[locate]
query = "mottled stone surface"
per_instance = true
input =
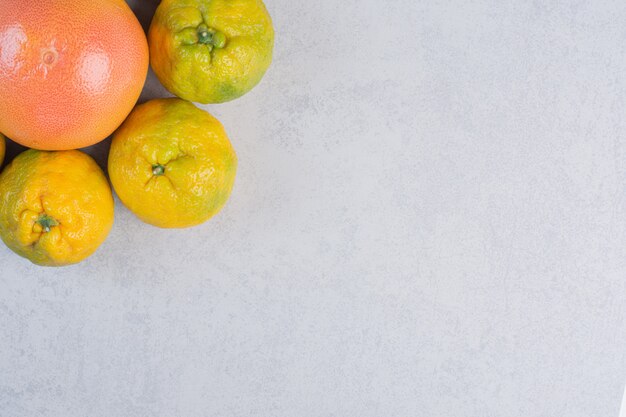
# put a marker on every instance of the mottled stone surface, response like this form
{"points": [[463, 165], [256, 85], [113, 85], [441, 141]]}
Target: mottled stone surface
{"points": [[428, 220]]}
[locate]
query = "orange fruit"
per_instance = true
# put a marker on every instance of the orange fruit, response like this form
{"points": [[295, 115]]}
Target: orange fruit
{"points": [[172, 163], [56, 208], [2, 148], [70, 71], [211, 51]]}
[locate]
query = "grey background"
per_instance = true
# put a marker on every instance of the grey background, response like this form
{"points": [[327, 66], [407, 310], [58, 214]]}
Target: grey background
{"points": [[428, 220]]}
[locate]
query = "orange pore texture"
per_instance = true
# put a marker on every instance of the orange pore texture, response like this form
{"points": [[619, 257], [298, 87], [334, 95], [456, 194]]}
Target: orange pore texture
{"points": [[70, 70]]}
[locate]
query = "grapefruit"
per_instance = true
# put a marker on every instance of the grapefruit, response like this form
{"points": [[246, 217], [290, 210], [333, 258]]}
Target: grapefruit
{"points": [[70, 71]]}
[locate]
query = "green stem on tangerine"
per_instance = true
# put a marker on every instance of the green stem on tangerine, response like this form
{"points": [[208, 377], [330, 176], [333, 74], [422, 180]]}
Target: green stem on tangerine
{"points": [[210, 36], [46, 222], [158, 169]]}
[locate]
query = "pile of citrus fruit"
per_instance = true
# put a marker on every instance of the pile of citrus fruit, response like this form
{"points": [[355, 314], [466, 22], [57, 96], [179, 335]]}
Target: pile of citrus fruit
{"points": [[70, 76]]}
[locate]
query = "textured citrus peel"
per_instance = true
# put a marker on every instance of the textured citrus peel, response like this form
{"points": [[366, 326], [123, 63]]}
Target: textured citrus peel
{"points": [[211, 51]]}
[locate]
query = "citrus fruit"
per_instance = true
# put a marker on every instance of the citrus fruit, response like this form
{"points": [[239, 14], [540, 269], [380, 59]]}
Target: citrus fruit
{"points": [[70, 72], [210, 51], [172, 164], [2, 148], [56, 208]]}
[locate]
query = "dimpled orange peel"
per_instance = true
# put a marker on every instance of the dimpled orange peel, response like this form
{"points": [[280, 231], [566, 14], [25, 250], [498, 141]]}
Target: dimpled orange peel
{"points": [[172, 164], [56, 208], [211, 51]]}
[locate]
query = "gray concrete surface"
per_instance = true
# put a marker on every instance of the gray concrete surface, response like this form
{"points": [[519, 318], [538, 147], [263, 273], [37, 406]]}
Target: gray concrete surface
{"points": [[428, 220]]}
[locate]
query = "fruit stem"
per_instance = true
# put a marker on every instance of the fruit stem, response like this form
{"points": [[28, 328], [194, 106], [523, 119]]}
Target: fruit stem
{"points": [[46, 222], [158, 170], [210, 36]]}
